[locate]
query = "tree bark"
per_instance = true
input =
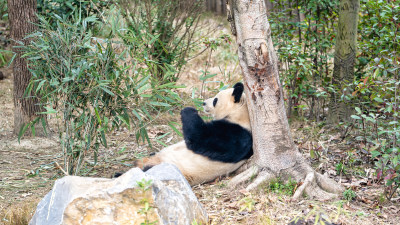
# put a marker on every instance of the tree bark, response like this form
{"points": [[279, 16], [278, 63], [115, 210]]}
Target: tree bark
{"points": [[275, 153], [345, 56], [22, 15]]}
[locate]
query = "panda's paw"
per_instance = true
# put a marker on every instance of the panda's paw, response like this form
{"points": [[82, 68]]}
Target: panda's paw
{"points": [[188, 111], [191, 121]]}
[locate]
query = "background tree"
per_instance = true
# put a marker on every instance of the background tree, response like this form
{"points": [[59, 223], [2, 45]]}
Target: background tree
{"points": [[22, 16], [345, 58], [275, 154]]}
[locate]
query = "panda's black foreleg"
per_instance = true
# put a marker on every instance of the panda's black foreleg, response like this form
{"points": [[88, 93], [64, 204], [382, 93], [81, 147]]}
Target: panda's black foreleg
{"points": [[192, 124]]}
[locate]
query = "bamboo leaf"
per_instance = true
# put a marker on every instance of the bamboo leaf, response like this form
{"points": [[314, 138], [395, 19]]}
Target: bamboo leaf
{"points": [[22, 131], [107, 91], [160, 104], [171, 124], [97, 115], [103, 138]]}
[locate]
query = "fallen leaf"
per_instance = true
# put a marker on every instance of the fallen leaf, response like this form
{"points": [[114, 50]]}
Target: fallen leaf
{"points": [[26, 194], [244, 191], [154, 133], [365, 200], [169, 140], [121, 157], [233, 205]]}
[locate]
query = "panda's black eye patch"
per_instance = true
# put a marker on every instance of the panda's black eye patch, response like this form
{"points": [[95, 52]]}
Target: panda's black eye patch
{"points": [[215, 101]]}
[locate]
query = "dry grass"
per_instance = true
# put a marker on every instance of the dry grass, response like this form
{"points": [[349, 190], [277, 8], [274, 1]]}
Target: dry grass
{"points": [[18, 214]]}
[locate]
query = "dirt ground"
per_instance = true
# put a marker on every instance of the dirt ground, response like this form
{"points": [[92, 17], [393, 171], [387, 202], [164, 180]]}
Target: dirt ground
{"points": [[24, 174], [28, 169]]}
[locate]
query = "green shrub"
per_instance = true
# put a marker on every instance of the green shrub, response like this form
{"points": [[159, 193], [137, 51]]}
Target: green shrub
{"points": [[349, 195], [305, 51], [376, 96], [90, 87], [379, 36], [3, 10], [280, 187], [304, 48], [161, 32], [340, 168], [51, 9], [5, 57]]}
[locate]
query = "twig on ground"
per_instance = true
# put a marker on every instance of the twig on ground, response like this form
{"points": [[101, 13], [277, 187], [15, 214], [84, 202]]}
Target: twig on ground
{"points": [[59, 167]]}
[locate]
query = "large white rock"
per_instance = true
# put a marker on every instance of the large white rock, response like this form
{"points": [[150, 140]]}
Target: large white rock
{"points": [[85, 200]]}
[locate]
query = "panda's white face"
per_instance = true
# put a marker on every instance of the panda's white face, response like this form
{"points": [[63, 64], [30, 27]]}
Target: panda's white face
{"points": [[229, 104], [220, 105]]}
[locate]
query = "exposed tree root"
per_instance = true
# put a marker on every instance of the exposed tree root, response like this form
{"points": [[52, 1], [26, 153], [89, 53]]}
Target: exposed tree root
{"points": [[314, 184], [316, 192], [244, 176], [263, 177], [328, 184], [300, 190], [249, 163]]}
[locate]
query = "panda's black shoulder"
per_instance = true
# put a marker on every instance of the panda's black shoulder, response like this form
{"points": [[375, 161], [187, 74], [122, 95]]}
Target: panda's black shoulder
{"points": [[221, 140], [226, 132], [223, 125]]}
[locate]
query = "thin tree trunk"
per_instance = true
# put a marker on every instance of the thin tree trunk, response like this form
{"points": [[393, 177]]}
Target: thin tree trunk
{"points": [[218, 7], [214, 6], [22, 15], [315, 68], [345, 56], [275, 153], [223, 7], [269, 5]]}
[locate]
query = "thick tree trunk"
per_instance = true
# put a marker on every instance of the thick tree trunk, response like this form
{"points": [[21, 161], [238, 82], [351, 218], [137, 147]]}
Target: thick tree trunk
{"points": [[275, 153], [345, 56], [22, 15]]}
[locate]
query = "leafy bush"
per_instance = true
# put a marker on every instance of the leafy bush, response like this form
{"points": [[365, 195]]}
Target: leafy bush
{"points": [[3, 10], [5, 57], [340, 168], [279, 186], [376, 97], [67, 9], [91, 87], [379, 36], [3, 39], [349, 195], [304, 48], [161, 32]]}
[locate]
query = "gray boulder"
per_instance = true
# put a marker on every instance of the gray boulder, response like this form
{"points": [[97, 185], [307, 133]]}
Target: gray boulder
{"points": [[160, 195]]}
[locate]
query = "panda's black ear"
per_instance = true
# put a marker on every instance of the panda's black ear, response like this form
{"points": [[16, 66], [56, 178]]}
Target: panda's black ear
{"points": [[238, 89]]}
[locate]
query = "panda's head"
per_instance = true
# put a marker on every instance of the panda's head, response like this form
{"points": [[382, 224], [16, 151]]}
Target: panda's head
{"points": [[229, 104]]}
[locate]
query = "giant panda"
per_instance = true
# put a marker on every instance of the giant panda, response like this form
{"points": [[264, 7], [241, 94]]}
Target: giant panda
{"points": [[210, 149]]}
